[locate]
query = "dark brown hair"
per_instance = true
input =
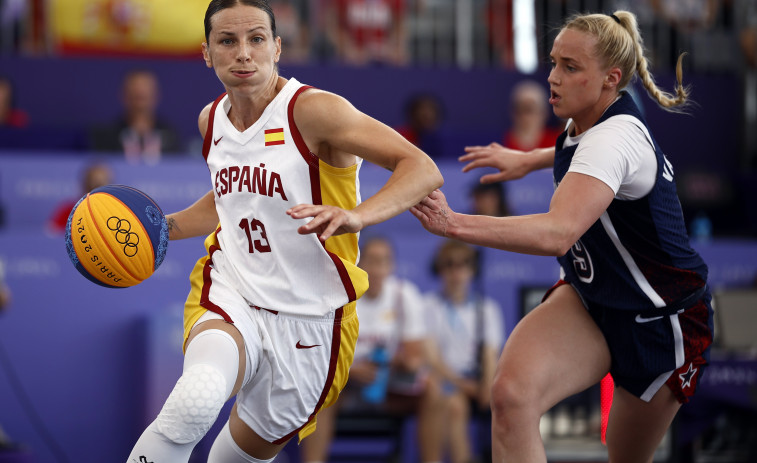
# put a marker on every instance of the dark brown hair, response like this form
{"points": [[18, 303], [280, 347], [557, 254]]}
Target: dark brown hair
{"points": [[218, 5]]}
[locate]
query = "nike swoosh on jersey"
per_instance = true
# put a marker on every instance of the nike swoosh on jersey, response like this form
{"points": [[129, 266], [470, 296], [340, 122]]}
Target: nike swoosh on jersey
{"points": [[215, 142], [640, 319], [301, 346]]}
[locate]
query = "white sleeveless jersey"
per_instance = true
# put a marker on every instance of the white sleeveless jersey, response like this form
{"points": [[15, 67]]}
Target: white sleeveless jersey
{"points": [[257, 175]]}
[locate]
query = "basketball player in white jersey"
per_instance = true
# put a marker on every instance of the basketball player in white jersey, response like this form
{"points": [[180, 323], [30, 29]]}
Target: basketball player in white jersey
{"points": [[271, 314]]}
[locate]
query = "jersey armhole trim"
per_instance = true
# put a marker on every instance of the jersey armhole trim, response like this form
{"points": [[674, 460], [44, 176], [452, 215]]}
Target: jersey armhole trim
{"points": [[305, 152], [209, 131]]}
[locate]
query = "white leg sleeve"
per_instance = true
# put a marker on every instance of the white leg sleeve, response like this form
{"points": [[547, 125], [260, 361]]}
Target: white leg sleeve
{"points": [[211, 364], [225, 450]]}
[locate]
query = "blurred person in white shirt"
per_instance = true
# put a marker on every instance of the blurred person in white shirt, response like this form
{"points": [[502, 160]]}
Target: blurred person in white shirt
{"points": [[391, 314], [467, 334]]}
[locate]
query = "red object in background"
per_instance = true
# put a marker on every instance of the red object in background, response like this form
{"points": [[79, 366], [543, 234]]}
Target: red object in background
{"points": [[17, 119], [499, 18], [547, 140], [606, 387], [59, 217], [369, 22]]}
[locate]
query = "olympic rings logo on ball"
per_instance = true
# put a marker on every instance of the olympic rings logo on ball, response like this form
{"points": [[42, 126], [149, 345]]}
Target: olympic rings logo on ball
{"points": [[124, 235]]}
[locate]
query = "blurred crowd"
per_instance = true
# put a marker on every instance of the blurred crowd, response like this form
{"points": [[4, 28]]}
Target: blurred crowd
{"points": [[719, 34]]}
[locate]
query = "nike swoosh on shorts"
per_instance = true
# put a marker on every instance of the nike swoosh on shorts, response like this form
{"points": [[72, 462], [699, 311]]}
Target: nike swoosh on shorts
{"points": [[301, 346]]}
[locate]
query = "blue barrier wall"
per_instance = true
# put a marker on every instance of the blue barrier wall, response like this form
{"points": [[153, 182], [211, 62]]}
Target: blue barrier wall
{"points": [[86, 92], [97, 363]]}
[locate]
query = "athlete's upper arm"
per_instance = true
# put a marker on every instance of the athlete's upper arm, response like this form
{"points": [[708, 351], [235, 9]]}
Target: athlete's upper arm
{"points": [[578, 202], [324, 117], [203, 119]]}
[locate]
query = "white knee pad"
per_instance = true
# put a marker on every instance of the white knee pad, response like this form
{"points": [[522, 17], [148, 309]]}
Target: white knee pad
{"points": [[211, 366], [193, 406]]}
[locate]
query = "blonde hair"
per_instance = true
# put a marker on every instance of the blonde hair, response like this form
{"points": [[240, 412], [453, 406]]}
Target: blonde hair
{"points": [[619, 44]]}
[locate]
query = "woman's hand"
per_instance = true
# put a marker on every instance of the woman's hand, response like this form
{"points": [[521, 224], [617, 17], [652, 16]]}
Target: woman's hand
{"points": [[434, 213], [327, 220], [511, 164]]}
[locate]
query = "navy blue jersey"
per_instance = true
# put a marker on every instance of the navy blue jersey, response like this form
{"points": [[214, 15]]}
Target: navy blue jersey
{"points": [[637, 255]]}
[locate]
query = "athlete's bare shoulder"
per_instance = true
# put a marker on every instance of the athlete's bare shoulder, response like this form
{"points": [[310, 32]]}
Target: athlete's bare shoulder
{"points": [[316, 102], [320, 112]]}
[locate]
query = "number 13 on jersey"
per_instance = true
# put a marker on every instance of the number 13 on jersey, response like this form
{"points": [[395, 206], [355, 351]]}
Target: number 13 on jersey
{"points": [[252, 225]]}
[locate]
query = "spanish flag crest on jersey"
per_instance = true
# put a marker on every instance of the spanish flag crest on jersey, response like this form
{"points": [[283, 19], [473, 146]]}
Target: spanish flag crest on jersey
{"points": [[128, 27], [274, 137]]}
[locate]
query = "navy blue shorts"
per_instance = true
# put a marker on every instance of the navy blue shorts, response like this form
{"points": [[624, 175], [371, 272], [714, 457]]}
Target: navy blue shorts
{"points": [[654, 347]]}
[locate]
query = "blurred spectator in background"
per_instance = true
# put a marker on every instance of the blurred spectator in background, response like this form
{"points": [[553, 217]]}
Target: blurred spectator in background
{"points": [[12, 14], [423, 116], [498, 15], [391, 326], [746, 15], [529, 114], [139, 133], [293, 28], [529, 129], [746, 25], [369, 31], [93, 176], [433, 40], [687, 15], [687, 20], [322, 39], [5, 298], [10, 115], [5, 293], [467, 334], [490, 199]]}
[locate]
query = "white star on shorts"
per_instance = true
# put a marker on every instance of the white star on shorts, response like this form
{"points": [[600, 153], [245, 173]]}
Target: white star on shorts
{"points": [[687, 376]]}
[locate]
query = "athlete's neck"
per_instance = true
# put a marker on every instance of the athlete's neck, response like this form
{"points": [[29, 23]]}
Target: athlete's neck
{"points": [[248, 106], [586, 121]]}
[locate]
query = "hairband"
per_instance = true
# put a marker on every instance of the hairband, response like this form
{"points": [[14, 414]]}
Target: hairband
{"points": [[617, 20]]}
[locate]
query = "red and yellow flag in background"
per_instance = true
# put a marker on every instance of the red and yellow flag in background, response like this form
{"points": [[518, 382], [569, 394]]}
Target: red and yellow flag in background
{"points": [[128, 27]]}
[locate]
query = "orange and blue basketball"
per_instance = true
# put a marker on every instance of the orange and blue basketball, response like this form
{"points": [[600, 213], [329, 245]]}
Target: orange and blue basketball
{"points": [[116, 236]]}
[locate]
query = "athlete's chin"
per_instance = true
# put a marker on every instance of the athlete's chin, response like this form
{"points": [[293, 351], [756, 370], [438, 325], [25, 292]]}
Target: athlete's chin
{"points": [[560, 111]]}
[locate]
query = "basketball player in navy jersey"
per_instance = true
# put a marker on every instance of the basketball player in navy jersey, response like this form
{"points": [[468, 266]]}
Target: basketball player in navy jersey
{"points": [[632, 299], [270, 317]]}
